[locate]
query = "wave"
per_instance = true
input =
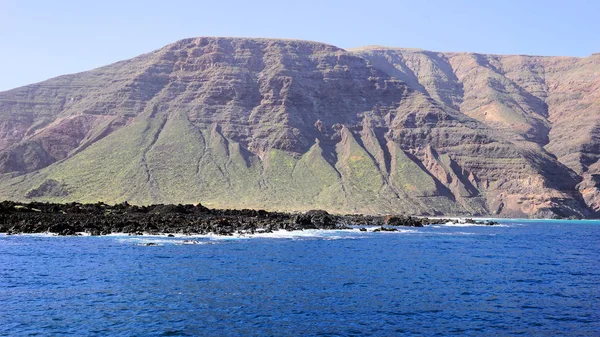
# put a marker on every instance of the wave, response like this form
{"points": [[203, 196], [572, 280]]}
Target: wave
{"points": [[458, 224], [307, 234], [456, 233], [182, 239], [294, 235]]}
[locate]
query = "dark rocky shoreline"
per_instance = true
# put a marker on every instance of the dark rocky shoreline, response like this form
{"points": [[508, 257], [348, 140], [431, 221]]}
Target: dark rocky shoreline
{"points": [[103, 219]]}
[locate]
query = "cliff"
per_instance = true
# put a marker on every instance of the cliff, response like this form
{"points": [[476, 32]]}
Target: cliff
{"points": [[297, 125]]}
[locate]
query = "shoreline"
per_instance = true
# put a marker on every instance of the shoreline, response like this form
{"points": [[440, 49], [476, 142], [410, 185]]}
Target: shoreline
{"points": [[103, 219]]}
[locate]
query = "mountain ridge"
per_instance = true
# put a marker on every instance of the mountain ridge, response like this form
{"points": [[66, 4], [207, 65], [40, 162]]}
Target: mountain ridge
{"points": [[417, 49], [294, 125]]}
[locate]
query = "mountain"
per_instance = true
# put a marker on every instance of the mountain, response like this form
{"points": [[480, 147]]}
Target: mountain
{"points": [[297, 125]]}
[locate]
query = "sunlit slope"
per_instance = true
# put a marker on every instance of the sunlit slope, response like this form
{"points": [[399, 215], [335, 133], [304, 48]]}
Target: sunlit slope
{"points": [[297, 125]]}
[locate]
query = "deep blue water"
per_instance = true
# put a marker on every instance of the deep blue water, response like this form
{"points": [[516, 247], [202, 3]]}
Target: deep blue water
{"points": [[526, 278]]}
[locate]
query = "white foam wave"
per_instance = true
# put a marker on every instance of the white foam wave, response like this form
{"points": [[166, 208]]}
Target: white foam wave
{"points": [[455, 233], [144, 241], [43, 235], [176, 239], [458, 224], [300, 234]]}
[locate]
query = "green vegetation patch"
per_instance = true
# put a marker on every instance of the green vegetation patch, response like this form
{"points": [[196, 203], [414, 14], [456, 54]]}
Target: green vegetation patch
{"points": [[409, 176]]}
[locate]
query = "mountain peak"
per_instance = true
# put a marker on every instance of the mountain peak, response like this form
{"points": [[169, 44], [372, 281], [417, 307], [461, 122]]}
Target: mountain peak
{"points": [[296, 125], [215, 40], [379, 47]]}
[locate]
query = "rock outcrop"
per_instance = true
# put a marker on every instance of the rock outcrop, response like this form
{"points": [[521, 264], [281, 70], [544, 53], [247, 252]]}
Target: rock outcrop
{"points": [[102, 219], [297, 125]]}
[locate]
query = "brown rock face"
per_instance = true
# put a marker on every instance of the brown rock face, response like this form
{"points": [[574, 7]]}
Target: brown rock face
{"points": [[548, 107], [298, 125]]}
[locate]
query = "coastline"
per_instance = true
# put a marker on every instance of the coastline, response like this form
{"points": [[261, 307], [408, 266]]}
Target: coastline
{"points": [[101, 219]]}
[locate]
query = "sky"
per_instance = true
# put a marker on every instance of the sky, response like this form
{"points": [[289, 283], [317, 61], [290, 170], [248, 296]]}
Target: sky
{"points": [[43, 39]]}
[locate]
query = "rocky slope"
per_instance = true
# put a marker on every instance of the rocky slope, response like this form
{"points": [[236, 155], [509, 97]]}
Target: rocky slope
{"points": [[297, 125]]}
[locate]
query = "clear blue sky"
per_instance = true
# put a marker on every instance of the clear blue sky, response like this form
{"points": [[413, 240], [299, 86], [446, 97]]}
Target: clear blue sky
{"points": [[43, 39]]}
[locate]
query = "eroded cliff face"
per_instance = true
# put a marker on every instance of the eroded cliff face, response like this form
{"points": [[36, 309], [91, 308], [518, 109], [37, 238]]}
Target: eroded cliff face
{"points": [[295, 125], [547, 107]]}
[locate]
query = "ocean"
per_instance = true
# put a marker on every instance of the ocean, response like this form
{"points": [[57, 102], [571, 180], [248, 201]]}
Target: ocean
{"points": [[524, 277]]}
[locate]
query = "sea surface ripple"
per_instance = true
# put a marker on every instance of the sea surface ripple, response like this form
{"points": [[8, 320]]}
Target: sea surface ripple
{"points": [[523, 278]]}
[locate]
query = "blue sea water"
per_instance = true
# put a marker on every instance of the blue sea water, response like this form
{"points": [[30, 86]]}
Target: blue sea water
{"points": [[522, 278]]}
